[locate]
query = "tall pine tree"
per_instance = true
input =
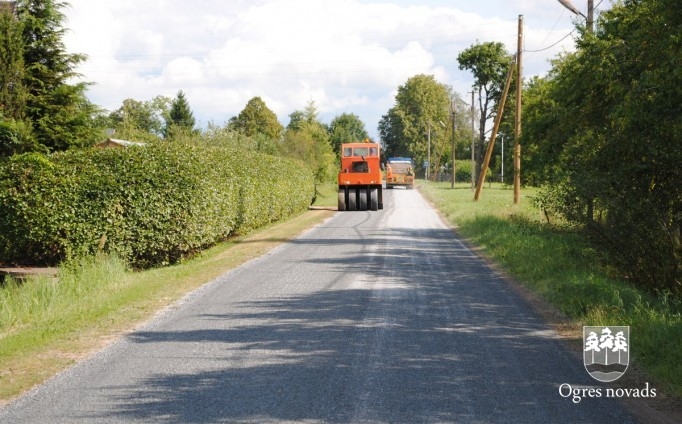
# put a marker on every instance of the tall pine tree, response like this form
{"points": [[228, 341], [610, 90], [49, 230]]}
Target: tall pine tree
{"points": [[12, 90], [61, 115], [180, 118]]}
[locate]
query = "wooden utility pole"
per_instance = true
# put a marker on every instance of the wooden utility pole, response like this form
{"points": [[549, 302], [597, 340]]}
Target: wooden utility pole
{"points": [[452, 116], [590, 16], [496, 127], [473, 140], [517, 120], [428, 153]]}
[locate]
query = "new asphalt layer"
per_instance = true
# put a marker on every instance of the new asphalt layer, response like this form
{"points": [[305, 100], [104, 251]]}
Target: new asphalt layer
{"points": [[371, 317]]}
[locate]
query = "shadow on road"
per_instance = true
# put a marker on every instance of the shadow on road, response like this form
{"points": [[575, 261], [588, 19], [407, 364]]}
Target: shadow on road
{"points": [[426, 333]]}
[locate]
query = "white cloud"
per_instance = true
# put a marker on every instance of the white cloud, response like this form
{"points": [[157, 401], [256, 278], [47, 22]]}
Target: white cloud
{"points": [[346, 55]]}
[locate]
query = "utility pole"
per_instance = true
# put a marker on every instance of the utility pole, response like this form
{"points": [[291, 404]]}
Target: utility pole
{"points": [[496, 127], [452, 116], [517, 120], [473, 141], [589, 19], [428, 153]]}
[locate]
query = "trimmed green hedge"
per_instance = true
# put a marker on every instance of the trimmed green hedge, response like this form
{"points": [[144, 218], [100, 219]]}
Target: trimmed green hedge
{"points": [[151, 205]]}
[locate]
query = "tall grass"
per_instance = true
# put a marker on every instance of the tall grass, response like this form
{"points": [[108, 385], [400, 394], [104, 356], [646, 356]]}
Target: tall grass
{"points": [[39, 300], [560, 265], [45, 325]]}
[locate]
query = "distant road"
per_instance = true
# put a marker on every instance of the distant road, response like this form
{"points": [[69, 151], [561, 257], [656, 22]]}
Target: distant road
{"points": [[371, 317]]}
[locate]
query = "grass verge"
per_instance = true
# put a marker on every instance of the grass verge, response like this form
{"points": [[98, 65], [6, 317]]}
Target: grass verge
{"points": [[46, 326], [564, 269], [326, 195]]}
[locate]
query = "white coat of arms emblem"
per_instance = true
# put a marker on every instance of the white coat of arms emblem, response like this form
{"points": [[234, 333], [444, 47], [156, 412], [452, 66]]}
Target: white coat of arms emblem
{"points": [[606, 351]]}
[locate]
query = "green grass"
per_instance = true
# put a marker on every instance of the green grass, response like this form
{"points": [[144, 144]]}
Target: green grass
{"points": [[46, 325], [563, 268], [326, 195]]}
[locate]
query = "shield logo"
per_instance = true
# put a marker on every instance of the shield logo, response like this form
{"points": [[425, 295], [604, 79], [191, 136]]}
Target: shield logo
{"points": [[606, 351]]}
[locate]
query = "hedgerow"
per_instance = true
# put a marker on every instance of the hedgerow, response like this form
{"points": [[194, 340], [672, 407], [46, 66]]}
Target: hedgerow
{"points": [[151, 205]]}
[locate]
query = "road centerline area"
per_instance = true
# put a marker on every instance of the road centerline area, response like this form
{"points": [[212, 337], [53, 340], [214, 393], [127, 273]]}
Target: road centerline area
{"points": [[370, 317]]}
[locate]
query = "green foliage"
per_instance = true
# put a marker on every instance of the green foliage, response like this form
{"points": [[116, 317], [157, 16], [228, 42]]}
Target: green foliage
{"points": [[462, 171], [59, 112], [563, 267], [150, 205], [180, 118], [141, 120], [256, 118], [346, 128], [422, 104], [489, 63], [16, 136], [13, 93], [306, 139], [611, 129]]}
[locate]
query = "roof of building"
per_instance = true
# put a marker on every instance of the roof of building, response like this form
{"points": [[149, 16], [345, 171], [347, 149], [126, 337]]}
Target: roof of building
{"points": [[114, 142]]}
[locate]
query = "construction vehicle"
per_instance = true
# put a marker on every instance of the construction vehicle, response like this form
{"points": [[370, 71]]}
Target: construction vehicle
{"points": [[400, 173], [360, 178]]}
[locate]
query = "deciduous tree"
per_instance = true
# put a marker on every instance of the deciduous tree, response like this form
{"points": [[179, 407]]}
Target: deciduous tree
{"points": [[307, 139], [422, 104], [346, 128], [489, 63], [256, 118], [611, 113], [141, 120]]}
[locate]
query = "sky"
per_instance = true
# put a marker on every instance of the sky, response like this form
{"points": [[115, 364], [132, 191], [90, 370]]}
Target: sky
{"points": [[347, 56]]}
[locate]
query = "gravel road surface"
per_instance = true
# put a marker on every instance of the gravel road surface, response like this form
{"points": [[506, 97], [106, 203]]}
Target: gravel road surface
{"points": [[371, 317]]}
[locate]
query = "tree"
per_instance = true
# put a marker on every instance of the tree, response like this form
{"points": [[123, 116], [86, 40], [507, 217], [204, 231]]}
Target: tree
{"points": [[612, 118], [307, 139], [489, 62], [620, 344], [13, 92], [422, 104], [346, 128], [16, 133], [256, 118], [180, 118], [606, 342], [390, 131], [137, 120], [592, 344], [60, 114], [544, 132]]}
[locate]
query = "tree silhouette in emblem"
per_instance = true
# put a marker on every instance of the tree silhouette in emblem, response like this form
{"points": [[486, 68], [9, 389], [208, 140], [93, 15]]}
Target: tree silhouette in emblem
{"points": [[620, 344], [592, 344], [606, 342]]}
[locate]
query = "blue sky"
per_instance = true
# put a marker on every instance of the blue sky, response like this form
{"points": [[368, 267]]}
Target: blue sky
{"points": [[345, 55]]}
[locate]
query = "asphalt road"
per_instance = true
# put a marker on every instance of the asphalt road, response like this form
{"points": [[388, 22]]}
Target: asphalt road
{"points": [[381, 317]]}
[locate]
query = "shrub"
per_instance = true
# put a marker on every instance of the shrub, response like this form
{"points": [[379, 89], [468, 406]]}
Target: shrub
{"points": [[151, 205]]}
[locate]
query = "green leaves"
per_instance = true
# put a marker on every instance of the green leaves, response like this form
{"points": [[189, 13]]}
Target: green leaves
{"points": [[422, 104], [151, 205], [603, 132], [256, 118]]}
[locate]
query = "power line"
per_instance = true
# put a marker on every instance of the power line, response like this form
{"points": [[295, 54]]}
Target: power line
{"points": [[549, 47]]}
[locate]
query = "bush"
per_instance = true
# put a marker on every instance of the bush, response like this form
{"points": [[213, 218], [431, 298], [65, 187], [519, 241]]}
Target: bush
{"points": [[151, 205], [462, 170]]}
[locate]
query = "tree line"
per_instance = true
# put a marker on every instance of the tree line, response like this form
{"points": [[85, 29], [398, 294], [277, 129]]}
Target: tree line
{"points": [[601, 131], [603, 137], [42, 110], [601, 134]]}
